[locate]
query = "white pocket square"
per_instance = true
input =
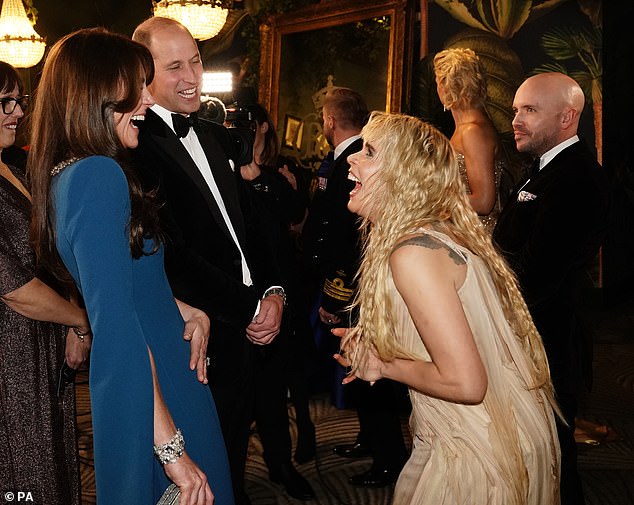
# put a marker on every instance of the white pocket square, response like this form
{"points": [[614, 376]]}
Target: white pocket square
{"points": [[525, 196]]}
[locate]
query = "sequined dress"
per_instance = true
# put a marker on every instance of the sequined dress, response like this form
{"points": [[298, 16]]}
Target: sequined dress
{"points": [[490, 219], [503, 451], [37, 429]]}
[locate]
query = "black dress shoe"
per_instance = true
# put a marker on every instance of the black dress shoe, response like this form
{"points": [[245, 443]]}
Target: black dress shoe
{"points": [[355, 450], [295, 485], [374, 478]]}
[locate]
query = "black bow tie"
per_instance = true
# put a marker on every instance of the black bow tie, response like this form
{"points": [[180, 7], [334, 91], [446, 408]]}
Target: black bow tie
{"points": [[182, 124]]}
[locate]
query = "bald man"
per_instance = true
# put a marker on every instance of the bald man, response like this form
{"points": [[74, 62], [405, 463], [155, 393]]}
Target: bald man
{"points": [[550, 232]]}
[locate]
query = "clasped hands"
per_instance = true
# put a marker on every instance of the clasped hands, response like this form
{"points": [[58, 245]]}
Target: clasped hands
{"points": [[266, 324], [369, 367]]}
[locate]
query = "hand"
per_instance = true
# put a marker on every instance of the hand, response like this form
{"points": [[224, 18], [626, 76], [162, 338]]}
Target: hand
{"points": [[197, 328], [76, 352], [191, 481], [266, 325], [290, 177], [369, 368], [328, 318]]}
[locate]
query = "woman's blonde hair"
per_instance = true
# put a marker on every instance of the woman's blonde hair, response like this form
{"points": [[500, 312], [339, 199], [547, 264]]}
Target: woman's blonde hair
{"points": [[460, 72], [417, 185]]}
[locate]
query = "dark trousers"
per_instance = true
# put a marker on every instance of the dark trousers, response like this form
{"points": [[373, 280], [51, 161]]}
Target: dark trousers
{"points": [[571, 488], [271, 408], [327, 374], [232, 384], [281, 368], [379, 409]]}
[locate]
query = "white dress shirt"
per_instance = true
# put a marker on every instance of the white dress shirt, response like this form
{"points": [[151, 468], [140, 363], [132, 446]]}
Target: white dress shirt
{"points": [[549, 155], [344, 145]]}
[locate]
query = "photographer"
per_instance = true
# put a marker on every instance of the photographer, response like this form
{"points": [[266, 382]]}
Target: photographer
{"points": [[284, 363]]}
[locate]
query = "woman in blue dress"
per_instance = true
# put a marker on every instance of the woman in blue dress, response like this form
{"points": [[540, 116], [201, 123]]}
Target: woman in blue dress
{"points": [[154, 421]]}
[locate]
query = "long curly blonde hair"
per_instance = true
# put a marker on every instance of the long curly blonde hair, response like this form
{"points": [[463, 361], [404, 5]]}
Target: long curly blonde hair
{"points": [[417, 185]]}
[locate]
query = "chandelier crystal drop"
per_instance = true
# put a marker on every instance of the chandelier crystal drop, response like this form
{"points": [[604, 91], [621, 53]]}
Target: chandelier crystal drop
{"points": [[203, 18], [20, 45]]}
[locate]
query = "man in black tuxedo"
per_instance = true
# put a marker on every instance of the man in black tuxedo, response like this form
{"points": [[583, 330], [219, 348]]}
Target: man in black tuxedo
{"points": [[332, 252], [217, 255], [550, 231]]}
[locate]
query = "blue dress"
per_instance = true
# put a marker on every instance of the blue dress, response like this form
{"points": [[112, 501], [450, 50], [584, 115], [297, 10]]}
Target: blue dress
{"points": [[131, 308]]}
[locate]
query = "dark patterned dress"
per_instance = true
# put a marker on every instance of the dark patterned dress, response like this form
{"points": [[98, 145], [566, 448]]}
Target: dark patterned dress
{"points": [[38, 453]]}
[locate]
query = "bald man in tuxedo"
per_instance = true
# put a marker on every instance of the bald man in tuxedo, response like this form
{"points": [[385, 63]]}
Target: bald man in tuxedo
{"points": [[550, 232]]}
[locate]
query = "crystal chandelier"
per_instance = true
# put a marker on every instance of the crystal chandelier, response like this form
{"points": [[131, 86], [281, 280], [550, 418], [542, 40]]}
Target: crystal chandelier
{"points": [[20, 45], [203, 18]]}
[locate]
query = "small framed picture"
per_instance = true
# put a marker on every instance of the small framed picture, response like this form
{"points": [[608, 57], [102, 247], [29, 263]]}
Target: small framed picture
{"points": [[293, 132]]}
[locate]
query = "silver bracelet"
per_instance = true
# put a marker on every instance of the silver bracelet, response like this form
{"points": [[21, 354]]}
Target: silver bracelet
{"points": [[170, 451]]}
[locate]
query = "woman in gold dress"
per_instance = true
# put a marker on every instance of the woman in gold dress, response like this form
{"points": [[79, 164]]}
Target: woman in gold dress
{"points": [[462, 88]]}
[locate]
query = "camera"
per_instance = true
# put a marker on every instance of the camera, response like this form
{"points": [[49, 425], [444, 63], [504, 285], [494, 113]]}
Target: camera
{"points": [[239, 125]]}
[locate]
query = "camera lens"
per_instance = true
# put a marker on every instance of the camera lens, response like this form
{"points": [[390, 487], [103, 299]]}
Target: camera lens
{"points": [[243, 144]]}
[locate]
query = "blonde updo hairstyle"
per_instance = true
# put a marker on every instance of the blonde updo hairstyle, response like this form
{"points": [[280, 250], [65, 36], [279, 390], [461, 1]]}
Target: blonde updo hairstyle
{"points": [[460, 72]]}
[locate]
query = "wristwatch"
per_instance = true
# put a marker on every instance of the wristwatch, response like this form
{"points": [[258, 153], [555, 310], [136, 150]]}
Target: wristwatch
{"points": [[276, 290]]}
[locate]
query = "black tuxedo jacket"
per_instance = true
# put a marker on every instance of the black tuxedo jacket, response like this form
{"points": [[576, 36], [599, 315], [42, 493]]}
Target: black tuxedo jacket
{"points": [[550, 231], [202, 261], [330, 235]]}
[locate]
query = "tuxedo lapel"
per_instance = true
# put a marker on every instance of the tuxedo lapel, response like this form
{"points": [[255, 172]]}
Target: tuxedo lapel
{"points": [[225, 180], [173, 149]]}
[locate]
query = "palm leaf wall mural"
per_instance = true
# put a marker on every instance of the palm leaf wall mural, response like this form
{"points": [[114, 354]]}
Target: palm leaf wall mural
{"points": [[583, 47]]}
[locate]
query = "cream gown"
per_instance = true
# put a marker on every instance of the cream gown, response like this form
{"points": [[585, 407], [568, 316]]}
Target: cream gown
{"points": [[503, 451]]}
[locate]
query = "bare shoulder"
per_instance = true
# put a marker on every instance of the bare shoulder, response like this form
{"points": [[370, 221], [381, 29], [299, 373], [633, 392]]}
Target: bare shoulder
{"points": [[479, 134]]}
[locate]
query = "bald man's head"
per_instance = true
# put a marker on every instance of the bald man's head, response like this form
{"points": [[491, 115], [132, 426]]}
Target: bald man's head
{"points": [[547, 108]]}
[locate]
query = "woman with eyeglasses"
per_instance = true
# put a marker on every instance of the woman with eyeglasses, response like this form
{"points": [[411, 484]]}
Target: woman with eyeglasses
{"points": [[39, 330]]}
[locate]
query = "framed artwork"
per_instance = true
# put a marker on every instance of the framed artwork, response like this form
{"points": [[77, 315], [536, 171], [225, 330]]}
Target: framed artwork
{"points": [[365, 45], [293, 131]]}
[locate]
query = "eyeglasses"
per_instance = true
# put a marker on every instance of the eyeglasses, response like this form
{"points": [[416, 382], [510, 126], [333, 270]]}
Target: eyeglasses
{"points": [[9, 103]]}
